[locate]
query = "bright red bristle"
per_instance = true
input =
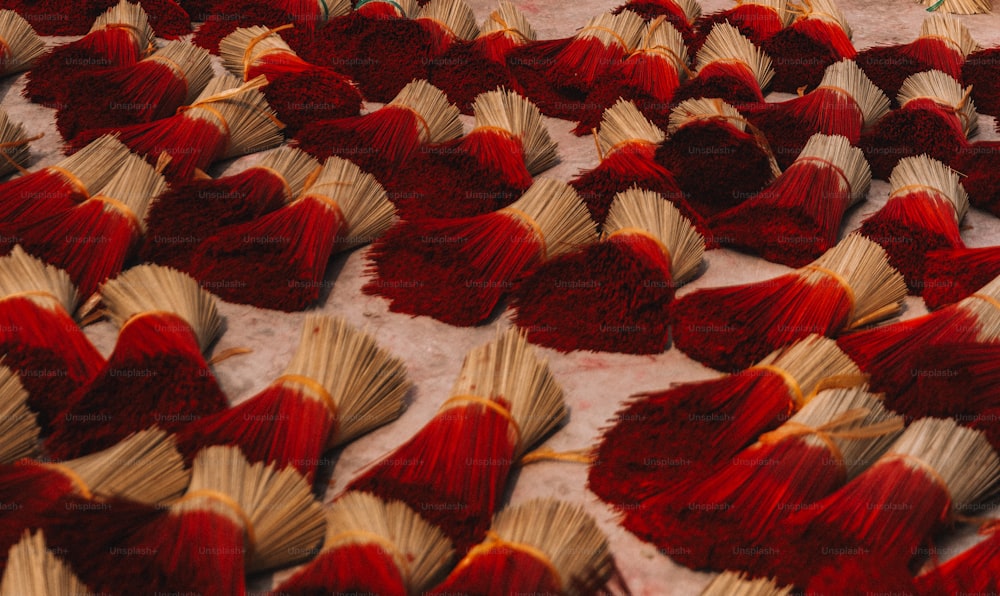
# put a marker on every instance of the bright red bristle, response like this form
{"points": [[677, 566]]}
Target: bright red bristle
{"points": [[740, 164], [156, 375], [613, 296], [192, 143], [49, 352], [797, 218], [789, 124], [33, 197], [953, 274], [337, 571], [888, 353], [58, 17], [627, 166], [229, 15], [453, 471], [733, 83], [91, 241], [277, 426], [889, 66], [303, 95], [651, 9], [529, 64], [388, 56], [802, 51], [933, 469], [276, 261], [891, 509], [975, 571], [978, 163], [952, 379], [922, 127], [431, 267], [660, 440], [186, 214], [379, 142], [709, 327], [908, 227], [979, 70], [501, 570], [106, 48], [756, 22], [480, 173], [469, 67], [33, 489]]}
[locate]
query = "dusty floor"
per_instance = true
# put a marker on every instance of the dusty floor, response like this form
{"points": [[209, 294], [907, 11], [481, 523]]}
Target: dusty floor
{"points": [[595, 384]]}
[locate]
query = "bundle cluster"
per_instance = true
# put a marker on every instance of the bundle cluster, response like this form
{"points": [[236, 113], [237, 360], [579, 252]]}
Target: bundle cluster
{"points": [[841, 438]]}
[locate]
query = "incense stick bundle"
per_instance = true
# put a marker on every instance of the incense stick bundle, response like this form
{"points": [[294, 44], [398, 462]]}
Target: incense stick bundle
{"points": [[20, 46], [889, 353], [648, 77], [120, 36], [797, 218], [458, 270], [384, 140], [43, 345], [925, 207], [279, 260], [615, 295], [934, 469], [542, 546], [729, 328], [298, 91], [19, 430], [229, 15], [53, 189], [942, 45], [959, 6], [977, 164], [953, 274], [226, 120], [954, 379], [338, 386], [93, 240], [742, 162], [236, 518], [935, 118], [483, 171], [979, 72], [730, 67], [14, 142], [57, 17], [338, 43], [399, 552], [468, 68], [663, 440], [148, 90], [728, 583], [156, 373], [757, 20], [682, 14], [33, 569], [454, 470], [144, 467], [845, 103], [558, 74], [975, 570], [395, 52], [715, 522], [627, 144], [818, 37], [181, 218]]}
